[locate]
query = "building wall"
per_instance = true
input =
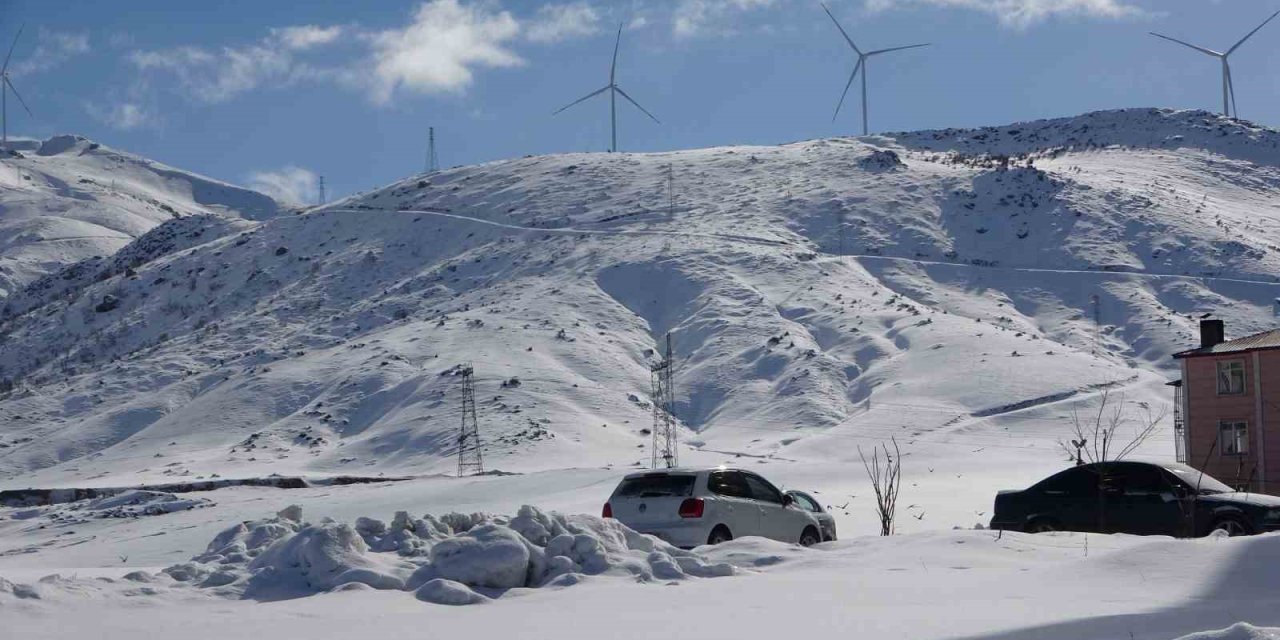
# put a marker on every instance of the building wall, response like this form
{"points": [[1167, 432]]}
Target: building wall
{"points": [[1259, 406]]}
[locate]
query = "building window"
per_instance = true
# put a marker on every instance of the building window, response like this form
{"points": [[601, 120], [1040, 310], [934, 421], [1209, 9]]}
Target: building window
{"points": [[1233, 438], [1231, 377]]}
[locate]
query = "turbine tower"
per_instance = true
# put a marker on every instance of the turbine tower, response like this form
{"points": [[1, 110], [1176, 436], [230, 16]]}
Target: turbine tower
{"points": [[861, 66], [614, 91], [1228, 87], [6, 85]]}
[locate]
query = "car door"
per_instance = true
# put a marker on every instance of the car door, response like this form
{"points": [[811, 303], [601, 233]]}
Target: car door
{"points": [[734, 506], [1140, 501], [776, 520], [1069, 498]]}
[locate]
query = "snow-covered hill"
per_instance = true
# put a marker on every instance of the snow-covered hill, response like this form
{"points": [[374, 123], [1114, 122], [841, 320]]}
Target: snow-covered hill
{"points": [[67, 199], [937, 287]]}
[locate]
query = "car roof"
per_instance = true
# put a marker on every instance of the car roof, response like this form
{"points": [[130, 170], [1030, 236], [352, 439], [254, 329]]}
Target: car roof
{"points": [[680, 471]]}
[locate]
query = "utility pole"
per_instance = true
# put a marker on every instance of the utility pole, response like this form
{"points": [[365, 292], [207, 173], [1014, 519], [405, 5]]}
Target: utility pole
{"points": [[840, 231], [469, 460], [664, 421], [321, 189], [433, 163], [671, 192], [1097, 324]]}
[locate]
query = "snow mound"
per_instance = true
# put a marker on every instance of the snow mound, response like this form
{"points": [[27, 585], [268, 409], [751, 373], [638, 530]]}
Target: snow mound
{"points": [[1237, 631], [455, 559], [132, 504], [127, 504], [441, 591]]}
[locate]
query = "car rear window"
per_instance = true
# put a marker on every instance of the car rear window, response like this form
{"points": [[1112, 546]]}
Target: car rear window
{"points": [[656, 486]]}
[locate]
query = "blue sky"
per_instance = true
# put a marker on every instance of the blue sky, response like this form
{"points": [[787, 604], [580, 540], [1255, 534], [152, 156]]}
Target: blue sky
{"points": [[273, 94]]}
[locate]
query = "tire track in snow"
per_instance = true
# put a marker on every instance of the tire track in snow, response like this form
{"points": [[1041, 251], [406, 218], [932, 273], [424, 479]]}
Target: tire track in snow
{"points": [[744, 239]]}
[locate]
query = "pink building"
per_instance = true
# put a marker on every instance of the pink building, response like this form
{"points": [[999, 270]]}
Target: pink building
{"points": [[1227, 413]]}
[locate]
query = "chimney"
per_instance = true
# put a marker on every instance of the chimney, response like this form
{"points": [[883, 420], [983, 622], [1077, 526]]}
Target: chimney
{"points": [[1212, 333]]}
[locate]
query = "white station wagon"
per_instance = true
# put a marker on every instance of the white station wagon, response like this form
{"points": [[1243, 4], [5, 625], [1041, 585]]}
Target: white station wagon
{"points": [[692, 507]]}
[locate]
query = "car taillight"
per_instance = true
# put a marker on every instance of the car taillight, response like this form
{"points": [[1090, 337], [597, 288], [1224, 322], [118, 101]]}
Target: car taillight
{"points": [[608, 511], [692, 508]]}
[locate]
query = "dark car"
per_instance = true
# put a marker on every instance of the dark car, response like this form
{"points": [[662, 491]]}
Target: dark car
{"points": [[1135, 497]]}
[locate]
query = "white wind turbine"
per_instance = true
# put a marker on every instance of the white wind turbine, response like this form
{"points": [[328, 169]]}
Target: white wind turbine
{"points": [[614, 90], [1228, 87], [6, 85], [861, 66]]}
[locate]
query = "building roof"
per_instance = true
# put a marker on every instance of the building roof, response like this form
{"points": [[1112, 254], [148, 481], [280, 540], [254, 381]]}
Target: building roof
{"points": [[1255, 342]]}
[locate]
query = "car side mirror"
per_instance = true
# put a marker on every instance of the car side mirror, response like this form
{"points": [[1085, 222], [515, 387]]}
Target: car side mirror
{"points": [[1169, 496], [788, 500]]}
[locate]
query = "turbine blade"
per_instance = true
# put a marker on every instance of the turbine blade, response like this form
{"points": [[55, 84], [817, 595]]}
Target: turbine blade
{"points": [[910, 46], [1242, 40], [11, 48], [18, 96], [856, 68], [583, 98], [842, 31], [613, 68], [1188, 44], [637, 104]]}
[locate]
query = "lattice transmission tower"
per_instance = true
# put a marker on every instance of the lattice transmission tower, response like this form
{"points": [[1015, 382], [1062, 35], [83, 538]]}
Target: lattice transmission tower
{"points": [[433, 162], [664, 419], [469, 460]]}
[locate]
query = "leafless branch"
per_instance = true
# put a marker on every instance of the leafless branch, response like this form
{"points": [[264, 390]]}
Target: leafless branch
{"points": [[1112, 432], [886, 481]]}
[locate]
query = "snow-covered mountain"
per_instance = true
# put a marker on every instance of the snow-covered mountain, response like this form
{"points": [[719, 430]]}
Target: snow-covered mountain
{"points": [[66, 199], [938, 287]]}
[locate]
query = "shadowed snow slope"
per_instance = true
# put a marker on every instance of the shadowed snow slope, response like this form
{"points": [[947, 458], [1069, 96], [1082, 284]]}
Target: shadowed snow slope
{"points": [[67, 199], [821, 294]]}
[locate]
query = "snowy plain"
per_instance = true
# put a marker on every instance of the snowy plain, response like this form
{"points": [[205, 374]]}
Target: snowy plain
{"points": [[934, 287]]}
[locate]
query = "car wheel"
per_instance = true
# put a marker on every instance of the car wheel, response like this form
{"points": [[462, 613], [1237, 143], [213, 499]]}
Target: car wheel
{"points": [[1043, 525], [810, 537], [1232, 526], [719, 534]]}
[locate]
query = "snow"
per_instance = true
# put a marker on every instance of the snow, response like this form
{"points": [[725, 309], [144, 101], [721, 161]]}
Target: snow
{"points": [[67, 199], [1238, 631], [823, 296]]}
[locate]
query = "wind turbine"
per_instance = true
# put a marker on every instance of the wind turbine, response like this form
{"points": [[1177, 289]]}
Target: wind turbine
{"points": [[861, 66], [6, 85], [1228, 87], [614, 91]]}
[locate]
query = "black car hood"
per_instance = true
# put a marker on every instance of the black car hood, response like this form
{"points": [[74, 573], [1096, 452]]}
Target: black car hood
{"points": [[1240, 497]]}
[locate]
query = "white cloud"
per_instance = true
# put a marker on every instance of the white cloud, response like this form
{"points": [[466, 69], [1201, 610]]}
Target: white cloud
{"points": [[52, 49], [290, 184], [305, 37], [698, 17], [557, 22], [123, 115], [437, 51], [217, 76], [1024, 13]]}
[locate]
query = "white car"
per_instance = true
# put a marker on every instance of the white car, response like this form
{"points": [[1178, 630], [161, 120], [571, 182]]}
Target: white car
{"points": [[692, 507], [826, 521]]}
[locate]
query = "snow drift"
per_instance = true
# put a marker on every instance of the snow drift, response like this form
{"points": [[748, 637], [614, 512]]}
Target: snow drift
{"points": [[454, 559]]}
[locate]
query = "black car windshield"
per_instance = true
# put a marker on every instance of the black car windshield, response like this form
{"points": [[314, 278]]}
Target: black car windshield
{"points": [[1195, 479], [657, 486]]}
